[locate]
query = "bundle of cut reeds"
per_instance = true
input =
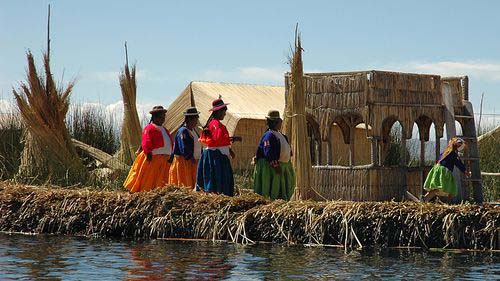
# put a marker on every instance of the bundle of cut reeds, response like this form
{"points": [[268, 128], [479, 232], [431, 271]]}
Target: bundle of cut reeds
{"points": [[48, 153], [131, 127], [296, 125]]}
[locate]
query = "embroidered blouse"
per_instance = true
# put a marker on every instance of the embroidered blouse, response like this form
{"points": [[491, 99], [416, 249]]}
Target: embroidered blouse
{"points": [[186, 144], [274, 147], [156, 139], [218, 136]]}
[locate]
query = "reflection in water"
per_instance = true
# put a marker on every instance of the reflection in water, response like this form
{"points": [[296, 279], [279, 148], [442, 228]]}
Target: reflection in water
{"points": [[158, 258], [73, 258]]}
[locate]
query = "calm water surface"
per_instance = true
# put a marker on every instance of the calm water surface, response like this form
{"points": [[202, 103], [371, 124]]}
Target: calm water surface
{"points": [[44, 257]]}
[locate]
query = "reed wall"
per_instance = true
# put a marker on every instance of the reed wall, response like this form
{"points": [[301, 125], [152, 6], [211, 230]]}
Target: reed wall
{"points": [[359, 183]]}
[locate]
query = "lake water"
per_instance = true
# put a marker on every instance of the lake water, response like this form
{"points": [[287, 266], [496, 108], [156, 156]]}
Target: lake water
{"points": [[45, 257]]}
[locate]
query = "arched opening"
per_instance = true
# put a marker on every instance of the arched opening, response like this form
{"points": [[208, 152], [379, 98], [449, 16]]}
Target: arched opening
{"points": [[315, 145], [348, 143], [415, 147], [458, 131], [394, 151], [339, 146], [424, 129]]}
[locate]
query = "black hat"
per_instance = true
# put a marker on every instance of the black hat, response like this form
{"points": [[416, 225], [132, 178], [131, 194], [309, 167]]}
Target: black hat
{"points": [[192, 111], [273, 115], [158, 109]]}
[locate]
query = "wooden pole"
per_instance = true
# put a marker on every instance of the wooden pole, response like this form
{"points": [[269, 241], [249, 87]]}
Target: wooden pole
{"points": [[490, 174], [480, 116]]}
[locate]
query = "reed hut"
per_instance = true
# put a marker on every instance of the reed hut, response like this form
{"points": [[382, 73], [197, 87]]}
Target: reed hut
{"points": [[246, 117], [375, 100]]}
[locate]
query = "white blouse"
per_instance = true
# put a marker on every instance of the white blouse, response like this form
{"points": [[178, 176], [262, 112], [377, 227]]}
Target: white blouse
{"points": [[167, 145]]}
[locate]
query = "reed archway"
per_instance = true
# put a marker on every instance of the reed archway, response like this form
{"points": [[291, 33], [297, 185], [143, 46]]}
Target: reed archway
{"points": [[313, 133], [393, 152]]}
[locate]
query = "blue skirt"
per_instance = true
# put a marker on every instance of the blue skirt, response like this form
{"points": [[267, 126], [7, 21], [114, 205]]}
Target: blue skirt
{"points": [[215, 173]]}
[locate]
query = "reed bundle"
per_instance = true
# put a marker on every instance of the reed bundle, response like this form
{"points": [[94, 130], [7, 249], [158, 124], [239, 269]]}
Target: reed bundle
{"points": [[173, 212], [131, 126], [296, 125], [48, 152]]}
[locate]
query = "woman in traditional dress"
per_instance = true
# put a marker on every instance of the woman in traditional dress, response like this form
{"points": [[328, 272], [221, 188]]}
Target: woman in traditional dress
{"points": [[274, 176], [215, 174], [151, 167], [187, 151], [440, 181]]}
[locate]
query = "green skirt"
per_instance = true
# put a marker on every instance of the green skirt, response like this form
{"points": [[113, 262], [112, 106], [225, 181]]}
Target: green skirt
{"points": [[442, 179], [268, 183]]}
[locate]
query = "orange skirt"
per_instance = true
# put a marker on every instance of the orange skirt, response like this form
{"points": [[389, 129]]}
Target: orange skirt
{"points": [[183, 172], [147, 175]]}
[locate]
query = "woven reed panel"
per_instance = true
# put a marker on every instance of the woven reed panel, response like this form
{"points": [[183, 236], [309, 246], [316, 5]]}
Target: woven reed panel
{"points": [[335, 91], [360, 184], [405, 88], [415, 179], [335, 83], [459, 92], [345, 184], [251, 130]]}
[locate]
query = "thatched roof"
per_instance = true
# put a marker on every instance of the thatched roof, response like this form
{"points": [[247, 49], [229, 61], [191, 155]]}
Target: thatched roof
{"points": [[495, 133], [246, 102]]}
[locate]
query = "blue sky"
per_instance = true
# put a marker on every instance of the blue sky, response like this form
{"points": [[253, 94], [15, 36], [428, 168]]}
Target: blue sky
{"points": [[175, 42]]}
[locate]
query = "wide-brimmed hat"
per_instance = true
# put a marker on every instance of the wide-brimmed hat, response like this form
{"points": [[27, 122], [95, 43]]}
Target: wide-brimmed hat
{"points": [[157, 109], [218, 104], [192, 111], [273, 115]]}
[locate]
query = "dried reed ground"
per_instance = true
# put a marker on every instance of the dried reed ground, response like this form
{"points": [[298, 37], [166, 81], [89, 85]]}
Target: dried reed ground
{"points": [[177, 213]]}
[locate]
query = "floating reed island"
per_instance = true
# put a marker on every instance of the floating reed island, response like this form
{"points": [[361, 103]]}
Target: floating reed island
{"points": [[172, 212]]}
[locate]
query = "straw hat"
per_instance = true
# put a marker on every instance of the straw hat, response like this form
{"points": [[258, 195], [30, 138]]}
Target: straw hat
{"points": [[273, 115], [218, 104], [192, 111], [158, 109]]}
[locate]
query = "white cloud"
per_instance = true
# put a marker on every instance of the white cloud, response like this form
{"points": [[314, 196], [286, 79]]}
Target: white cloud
{"points": [[214, 75], [262, 74], [105, 76], [250, 74], [478, 69]]}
